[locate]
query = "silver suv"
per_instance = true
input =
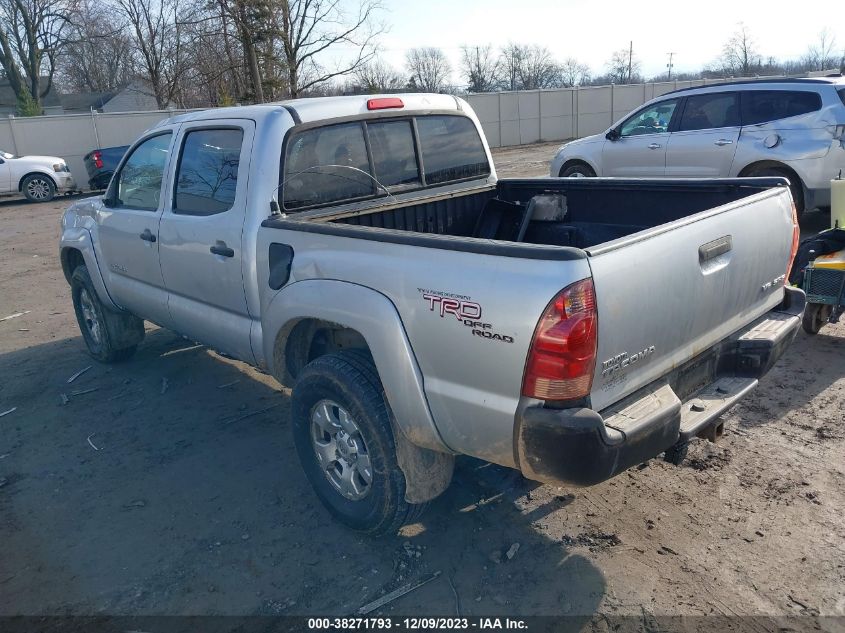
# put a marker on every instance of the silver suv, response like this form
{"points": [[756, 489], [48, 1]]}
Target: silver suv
{"points": [[786, 127]]}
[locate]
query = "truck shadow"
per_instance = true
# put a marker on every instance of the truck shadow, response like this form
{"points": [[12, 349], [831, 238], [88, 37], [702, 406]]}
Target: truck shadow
{"points": [[169, 485]]}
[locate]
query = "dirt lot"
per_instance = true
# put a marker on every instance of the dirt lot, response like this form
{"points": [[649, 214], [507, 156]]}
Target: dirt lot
{"points": [[158, 493]]}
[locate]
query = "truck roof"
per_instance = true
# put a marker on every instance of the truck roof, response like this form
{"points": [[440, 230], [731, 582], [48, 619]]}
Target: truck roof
{"points": [[321, 108]]}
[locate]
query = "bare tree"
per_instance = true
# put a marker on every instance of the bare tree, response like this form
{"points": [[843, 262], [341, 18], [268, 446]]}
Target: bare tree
{"points": [[311, 28], [527, 67], [32, 35], [157, 37], [98, 54], [823, 55], [740, 56], [253, 23], [574, 73], [624, 67], [429, 69], [480, 68], [377, 76]]}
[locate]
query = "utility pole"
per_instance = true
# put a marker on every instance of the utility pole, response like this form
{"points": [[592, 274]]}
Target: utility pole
{"points": [[669, 66], [630, 60]]}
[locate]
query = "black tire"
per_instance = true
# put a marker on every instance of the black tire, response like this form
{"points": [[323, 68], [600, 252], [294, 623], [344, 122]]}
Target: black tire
{"points": [[676, 454], [110, 336], [795, 187], [815, 316], [577, 170], [38, 188], [349, 379]]}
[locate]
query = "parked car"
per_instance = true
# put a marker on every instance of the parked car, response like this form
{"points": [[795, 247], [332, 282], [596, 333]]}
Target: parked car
{"points": [[100, 165], [420, 309], [793, 128], [39, 178]]}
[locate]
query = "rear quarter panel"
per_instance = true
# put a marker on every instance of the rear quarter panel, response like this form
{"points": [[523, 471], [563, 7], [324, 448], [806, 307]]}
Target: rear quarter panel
{"points": [[472, 383]]}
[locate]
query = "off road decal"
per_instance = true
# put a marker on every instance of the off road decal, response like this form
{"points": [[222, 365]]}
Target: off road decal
{"points": [[465, 311]]}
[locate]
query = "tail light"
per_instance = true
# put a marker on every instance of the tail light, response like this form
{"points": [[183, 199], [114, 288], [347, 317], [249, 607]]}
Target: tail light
{"points": [[98, 160], [562, 357], [796, 238]]}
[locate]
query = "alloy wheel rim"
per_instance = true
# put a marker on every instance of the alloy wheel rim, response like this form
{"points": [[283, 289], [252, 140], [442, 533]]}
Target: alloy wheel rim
{"points": [[38, 188], [89, 314], [340, 450]]}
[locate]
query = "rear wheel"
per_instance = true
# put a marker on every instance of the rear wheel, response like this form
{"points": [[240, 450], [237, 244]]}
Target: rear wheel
{"points": [[343, 436], [815, 316], [109, 336], [795, 187], [38, 188], [577, 170]]}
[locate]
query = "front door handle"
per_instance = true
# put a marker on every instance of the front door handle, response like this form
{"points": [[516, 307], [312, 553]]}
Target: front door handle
{"points": [[723, 141], [147, 236], [655, 146], [220, 248]]}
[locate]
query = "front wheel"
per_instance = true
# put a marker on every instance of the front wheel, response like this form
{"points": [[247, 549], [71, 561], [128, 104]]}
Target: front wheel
{"points": [[815, 316], [578, 170], [38, 188], [343, 436], [109, 336]]}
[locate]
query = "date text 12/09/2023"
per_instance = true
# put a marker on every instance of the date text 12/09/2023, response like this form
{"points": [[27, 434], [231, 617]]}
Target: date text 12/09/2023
{"points": [[417, 624]]}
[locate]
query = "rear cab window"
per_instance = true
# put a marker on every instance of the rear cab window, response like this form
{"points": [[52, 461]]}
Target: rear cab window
{"points": [[762, 106], [841, 92], [346, 162]]}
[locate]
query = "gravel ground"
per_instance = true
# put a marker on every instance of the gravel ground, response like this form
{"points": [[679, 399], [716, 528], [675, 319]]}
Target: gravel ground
{"points": [[154, 491]]}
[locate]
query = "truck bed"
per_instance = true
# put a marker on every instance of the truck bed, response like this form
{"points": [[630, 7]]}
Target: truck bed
{"points": [[594, 211]]}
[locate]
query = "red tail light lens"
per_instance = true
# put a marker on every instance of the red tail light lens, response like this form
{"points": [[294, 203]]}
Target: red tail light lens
{"points": [[562, 357], [796, 239], [98, 160], [384, 104]]}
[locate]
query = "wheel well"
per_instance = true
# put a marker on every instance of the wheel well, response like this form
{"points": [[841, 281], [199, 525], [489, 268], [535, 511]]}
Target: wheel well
{"points": [[34, 173], [575, 161], [305, 340], [71, 258], [771, 164]]}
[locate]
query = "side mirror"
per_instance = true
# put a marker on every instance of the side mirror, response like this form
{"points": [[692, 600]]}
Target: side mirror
{"points": [[612, 135]]}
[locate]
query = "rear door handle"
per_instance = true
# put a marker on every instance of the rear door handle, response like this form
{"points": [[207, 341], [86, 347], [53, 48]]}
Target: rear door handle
{"points": [[220, 248], [147, 236], [655, 146], [723, 141]]}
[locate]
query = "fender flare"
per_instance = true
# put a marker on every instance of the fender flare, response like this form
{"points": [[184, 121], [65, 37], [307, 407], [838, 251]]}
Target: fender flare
{"points": [[374, 316], [80, 239]]}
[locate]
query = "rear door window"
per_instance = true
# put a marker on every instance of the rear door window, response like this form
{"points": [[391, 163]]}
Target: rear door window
{"points": [[761, 106], [709, 111], [207, 177], [451, 149]]}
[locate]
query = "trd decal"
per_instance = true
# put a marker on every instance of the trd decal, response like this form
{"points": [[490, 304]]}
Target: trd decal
{"points": [[465, 311], [461, 309]]}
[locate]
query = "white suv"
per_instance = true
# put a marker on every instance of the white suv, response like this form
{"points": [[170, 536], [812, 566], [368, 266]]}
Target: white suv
{"points": [[786, 127]]}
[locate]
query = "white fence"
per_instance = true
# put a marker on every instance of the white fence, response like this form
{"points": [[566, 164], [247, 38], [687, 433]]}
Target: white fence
{"points": [[508, 118]]}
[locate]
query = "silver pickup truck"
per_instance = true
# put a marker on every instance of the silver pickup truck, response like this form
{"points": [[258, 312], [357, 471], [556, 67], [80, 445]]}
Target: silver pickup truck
{"points": [[363, 251]]}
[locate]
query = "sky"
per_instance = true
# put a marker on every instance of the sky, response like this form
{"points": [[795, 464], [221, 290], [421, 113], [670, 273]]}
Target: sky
{"points": [[591, 30]]}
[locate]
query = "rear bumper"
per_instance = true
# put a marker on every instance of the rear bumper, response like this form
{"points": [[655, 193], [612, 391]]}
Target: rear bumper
{"points": [[582, 447]]}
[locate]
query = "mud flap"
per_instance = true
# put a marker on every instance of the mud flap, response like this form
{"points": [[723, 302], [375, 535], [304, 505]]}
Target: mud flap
{"points": [[427, 473]]}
